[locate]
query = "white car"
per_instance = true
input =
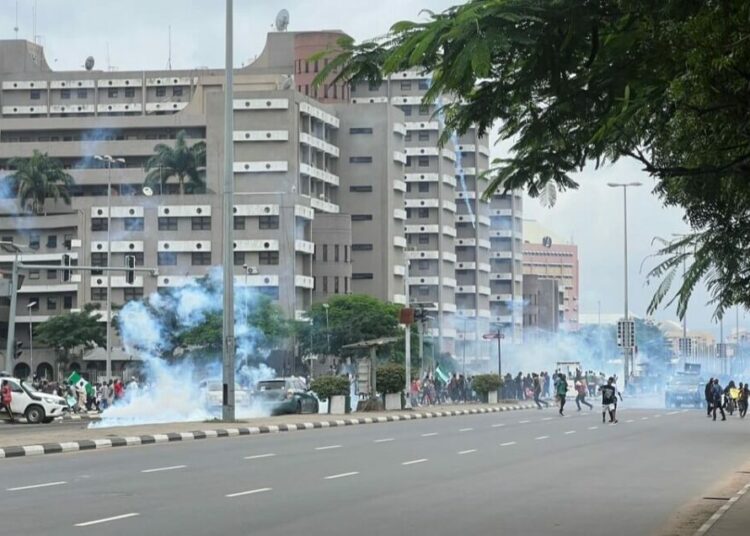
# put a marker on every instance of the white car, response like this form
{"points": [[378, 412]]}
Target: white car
{"points": [[34, 405], [213, 394]]}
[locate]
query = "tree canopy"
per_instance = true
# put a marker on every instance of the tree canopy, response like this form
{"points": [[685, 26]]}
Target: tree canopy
{"points": [[38, 178], [69, 331], [574, 82], [186, 162]]}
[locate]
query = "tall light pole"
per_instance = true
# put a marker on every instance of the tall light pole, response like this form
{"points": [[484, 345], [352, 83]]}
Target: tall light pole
{"points": [[627, 350], [108, 160], [10, 247], [227, 407], [31, 339]]}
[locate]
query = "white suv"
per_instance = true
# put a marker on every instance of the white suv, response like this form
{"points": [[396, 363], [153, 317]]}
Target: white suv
{"points": [[34, 405]]}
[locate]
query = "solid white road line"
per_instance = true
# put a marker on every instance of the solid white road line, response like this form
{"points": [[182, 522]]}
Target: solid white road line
{"points": [[341, 475], [106, 519], [430, 434], [542, 437], [158, 469], [465, 429], [258, 456], [461, 452], [384, 440], [249, 492], [45, 485], [508, 444], [412, 462], [593, 427], [570, 432], [498, 425], [328, 447]]}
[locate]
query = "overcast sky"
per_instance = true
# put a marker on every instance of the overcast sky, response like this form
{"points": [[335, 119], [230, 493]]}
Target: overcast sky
{"points": [[136, 32]]}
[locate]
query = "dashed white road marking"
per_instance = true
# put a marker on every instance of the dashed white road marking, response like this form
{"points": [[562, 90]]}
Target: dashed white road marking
{"points": [[412, 462], [341, 475], [384, 440], [508, 444], [159, 469], [248, 492], [34, 486], [430, 434], [258, 456], [469, 451], [465, 429], [657, 416], [541, 437], [673, 413], [547, 419], [644, 418], [593, 427], [498, 425], [328, 447], [570, 432], [106, 519], [524, 422], [630, 420]]}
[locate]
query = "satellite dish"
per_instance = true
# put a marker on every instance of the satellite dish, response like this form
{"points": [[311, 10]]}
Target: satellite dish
{"points": [[147, 191], [89, 63], [287, 83], [282, 20]]}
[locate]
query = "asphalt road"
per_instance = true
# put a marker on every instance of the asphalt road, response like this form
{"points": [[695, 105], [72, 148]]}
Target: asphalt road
{"points": [[530, 473], [21, 428]]}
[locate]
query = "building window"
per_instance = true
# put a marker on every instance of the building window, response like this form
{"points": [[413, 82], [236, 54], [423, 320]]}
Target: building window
{"points": [[361, 247], [161, 92], [405, 86], [133, 224], [424, 84], [346, 285], [407, 137], [35, 301], [268, 257], [239, 258], [51, 303], [51, 241], [130, 92], [423, 213], [346, 253], [99, 259], [34, 274], [335, 284], [113, 93], [98, 224], [406, 110], [408, 164], [201, 223], [325, 284], [239, 223], [138, 257], [361, 189], [7, 239], [360, 130], [325, 252], [36, 94], [34, 241], [200, 258], [167, 224], [424, 135], [82, 93], [65, 94], [268, 222], [423, 291], [360, 159], [67, 302], [424, 239], [307, 66], [177, 92], [98, 294], [423, 265], [336, 253], [51, 274], [424, 109], [361, 217], [166, 258], [361, 276], [424, 187], [373, 86], [132, 293], [423, 161]]}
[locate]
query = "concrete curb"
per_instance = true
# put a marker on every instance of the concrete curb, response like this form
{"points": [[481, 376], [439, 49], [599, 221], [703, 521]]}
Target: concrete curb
{"points": [[76, 417], [127, 441]]}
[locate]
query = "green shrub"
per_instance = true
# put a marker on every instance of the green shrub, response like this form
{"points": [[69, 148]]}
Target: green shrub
{"points": [[391, 378], [328, 386], [486, 383]]}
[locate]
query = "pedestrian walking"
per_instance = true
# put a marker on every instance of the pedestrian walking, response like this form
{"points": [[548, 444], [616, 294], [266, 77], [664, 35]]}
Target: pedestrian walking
{"points": [[538, 392], [609, 401], [743, 400], [6, 397], [709, 396], [561, 389], [716, 393], [581, 396]]}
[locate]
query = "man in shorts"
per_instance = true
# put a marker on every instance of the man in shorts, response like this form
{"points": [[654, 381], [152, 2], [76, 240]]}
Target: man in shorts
{"points": [[609, 400]]}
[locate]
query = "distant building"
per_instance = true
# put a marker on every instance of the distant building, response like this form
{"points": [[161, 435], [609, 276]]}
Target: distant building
{"points": [[550, 257], [542, 309]]}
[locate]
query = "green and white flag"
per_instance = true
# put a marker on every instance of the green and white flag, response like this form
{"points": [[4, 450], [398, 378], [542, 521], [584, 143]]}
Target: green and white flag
{"points": [[77, 381]]}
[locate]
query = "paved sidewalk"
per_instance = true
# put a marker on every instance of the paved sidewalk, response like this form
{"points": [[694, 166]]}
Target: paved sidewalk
{"points": [[731, 519], [48, 440]]}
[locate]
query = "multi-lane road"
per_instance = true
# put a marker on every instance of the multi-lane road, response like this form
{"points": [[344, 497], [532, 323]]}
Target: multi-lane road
{"points": [[528, 472]]}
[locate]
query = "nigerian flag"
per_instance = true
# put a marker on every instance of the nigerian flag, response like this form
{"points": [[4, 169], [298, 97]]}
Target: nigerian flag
{"points": [[445, 378], [77, 381]]}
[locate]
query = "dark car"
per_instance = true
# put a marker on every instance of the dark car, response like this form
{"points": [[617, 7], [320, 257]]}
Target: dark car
{"points": [[684, 389], [285, 395]]}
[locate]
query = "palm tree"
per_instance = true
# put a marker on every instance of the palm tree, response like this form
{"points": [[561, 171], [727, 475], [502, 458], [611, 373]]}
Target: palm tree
{"points": [[183, 161], [38, 178]]}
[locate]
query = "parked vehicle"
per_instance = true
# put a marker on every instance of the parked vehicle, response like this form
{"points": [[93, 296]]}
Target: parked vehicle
{"points": [[212, 392], [286, 395], [36, 406]]}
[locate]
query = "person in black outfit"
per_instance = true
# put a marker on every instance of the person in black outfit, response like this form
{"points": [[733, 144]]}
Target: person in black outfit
{"points": [[716, 393], [609, 399], [709, 397]]}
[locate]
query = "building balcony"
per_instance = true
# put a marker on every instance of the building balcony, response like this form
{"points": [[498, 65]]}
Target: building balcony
{"points": [[260, 135], [260, 104], [256, 245], [325, 176], [317, 143], [324, 206]]}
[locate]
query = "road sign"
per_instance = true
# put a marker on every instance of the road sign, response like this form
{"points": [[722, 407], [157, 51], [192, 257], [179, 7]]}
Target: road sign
{"points": [[492, 336]]}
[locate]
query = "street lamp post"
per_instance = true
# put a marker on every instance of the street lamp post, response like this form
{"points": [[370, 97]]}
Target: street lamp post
{"points": [[328, 332], [31, 339], [627, 350], [108, 160], [10, 247]]}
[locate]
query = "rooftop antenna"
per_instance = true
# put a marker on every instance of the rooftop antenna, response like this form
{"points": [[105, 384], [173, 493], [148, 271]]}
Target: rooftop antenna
{"points": [[33, 35], [169, 60], [15, 28]]}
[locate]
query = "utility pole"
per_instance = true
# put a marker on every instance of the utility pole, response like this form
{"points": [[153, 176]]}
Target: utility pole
{"points": [[227, 408], [407, 341]]}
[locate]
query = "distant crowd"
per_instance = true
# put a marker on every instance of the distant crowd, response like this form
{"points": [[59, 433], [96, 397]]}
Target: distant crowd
{"points": [[97, 397]]}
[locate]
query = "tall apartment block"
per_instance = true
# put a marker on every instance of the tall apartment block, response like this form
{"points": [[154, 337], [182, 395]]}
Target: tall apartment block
{"points": [[334, 194]]}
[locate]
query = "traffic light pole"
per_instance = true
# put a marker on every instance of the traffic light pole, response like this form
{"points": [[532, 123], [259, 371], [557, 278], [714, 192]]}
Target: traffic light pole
{"points": [[499, 354], [10, 347]]}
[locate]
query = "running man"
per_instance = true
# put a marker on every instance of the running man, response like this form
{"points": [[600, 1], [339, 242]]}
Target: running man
{"points": [[561, 389], [582, 390], [609, 401], [538, 392]]}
